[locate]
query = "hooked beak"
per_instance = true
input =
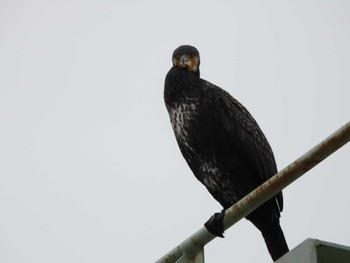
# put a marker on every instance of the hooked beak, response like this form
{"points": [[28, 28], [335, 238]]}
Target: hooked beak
{"points": [[187, 62], [184, 61]]}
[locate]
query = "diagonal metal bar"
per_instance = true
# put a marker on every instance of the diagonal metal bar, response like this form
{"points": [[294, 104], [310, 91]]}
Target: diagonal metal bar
{"points": [[198, 258], [195, 243]]}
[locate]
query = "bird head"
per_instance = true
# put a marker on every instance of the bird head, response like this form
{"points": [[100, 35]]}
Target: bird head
{"points": [[187, 57]]}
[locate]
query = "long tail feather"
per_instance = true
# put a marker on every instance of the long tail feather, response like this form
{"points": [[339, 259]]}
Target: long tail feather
{"points": [[275, 240]]}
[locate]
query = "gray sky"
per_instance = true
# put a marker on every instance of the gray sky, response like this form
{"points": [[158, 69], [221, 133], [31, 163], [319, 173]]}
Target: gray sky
{"points": [[89, 166]]}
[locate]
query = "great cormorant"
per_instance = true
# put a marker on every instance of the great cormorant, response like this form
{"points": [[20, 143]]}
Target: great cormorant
{"points": [[222, 144]]}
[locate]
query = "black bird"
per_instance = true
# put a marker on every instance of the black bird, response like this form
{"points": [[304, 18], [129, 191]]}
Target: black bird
{"points": [[222, 144]]}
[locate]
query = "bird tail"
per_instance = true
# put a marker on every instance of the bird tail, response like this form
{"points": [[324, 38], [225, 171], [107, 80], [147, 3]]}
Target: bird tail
{"points": [[275, 240]]}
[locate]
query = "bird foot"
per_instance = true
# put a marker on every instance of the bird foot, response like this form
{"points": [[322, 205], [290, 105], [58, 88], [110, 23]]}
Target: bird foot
{"points": [[215, 224]]}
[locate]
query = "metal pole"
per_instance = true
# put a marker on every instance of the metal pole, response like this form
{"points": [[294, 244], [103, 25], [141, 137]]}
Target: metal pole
{"points": [[270, 188]]}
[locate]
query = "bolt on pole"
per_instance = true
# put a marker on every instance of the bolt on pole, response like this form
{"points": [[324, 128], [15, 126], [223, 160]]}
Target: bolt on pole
{"points": [[194, 244]]}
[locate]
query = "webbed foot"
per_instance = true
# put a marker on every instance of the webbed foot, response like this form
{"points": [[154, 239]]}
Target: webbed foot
{"points": [[215, 224]]}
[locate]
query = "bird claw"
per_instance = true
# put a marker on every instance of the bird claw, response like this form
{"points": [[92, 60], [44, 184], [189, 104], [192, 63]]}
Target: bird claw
{"points": [[215, 224]]}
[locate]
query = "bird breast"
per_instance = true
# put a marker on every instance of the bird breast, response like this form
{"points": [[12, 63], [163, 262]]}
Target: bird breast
{"points": [[181, 115]]}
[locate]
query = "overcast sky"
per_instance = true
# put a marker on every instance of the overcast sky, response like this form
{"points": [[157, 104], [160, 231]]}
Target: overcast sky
{"points": [[89, 167]]}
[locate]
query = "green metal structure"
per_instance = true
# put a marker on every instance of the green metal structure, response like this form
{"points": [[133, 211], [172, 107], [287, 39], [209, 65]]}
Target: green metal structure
{"points": [[317, 251], [191, 250]]}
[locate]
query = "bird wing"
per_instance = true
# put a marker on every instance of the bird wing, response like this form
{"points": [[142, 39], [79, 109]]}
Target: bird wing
{"points": [[244, 134]]}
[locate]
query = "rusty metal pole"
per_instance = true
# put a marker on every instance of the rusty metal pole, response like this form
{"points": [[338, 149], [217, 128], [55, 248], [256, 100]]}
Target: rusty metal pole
{"points": [[194, 244]]}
